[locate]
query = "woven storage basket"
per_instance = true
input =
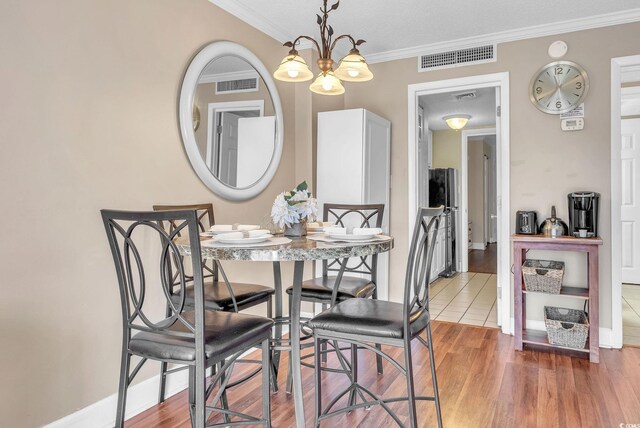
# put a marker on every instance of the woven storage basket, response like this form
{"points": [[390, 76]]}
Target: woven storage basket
{"points": [[543, 275], [566, 327]]}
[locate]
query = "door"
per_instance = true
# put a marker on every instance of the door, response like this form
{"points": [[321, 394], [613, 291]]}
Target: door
{"points": [[228, 148], [630, 210]]}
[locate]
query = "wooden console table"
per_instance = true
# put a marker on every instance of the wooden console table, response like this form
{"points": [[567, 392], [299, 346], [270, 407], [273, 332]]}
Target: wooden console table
{"points": [[590, 246]]}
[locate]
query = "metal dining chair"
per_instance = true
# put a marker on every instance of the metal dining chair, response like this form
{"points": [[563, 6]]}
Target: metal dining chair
{"points": [[189, 334], [363, 322], [359, 274], [219, 295]]}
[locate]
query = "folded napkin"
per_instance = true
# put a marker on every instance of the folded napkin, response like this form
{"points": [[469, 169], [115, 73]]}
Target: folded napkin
{"points": [[318, 224], [246, 234], [354, 231], [336, 230], [230, 227], [367, 231]]}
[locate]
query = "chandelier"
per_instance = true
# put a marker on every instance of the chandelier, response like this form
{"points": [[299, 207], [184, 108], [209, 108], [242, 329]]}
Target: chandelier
{"points": [[352, 68]]}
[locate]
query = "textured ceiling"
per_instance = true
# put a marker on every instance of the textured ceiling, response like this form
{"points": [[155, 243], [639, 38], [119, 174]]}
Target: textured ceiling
{"points": [[391, 26], [482, 108]]}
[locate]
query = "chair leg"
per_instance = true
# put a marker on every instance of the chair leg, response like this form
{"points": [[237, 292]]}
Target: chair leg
{"points": [[289, 386], [122, 389], [273, 368], [266, 383], [378, 346], [163, 381], [411, 398], [223, 398], [354, 374], [163, 369], [324, 342], [432, 362], [318, 380]]}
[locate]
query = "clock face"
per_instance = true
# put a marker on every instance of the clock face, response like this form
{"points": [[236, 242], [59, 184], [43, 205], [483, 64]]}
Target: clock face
{"points": [[559, 87]]}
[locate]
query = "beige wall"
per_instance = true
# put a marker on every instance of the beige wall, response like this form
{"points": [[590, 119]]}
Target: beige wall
{"points": [[446, 149], [89, 121], [546, 163], [475, 188]]}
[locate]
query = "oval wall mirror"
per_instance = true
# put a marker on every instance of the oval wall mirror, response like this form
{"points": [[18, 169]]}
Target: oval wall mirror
{"points": [[231, 120]]}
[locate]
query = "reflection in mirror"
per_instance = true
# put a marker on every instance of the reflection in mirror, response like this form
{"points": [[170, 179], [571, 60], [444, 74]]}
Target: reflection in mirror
{"points": [[236, 136]]}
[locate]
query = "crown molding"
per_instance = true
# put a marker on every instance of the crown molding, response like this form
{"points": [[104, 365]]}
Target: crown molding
{"points": [[280, 34], [232, 75], [270, 28], [597, 21]]}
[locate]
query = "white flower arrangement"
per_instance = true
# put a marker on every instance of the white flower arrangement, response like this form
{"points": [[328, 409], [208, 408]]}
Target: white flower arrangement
{"points": [[294, 206]]}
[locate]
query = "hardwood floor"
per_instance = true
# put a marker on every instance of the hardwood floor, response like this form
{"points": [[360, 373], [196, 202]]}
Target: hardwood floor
{"points": [[484, 261], [483, 382]]}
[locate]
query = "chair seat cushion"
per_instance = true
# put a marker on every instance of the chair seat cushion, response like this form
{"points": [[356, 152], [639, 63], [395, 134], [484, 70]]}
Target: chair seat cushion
{"points": [[322, 287], [217, 297], [369, 317], [225, 333]]}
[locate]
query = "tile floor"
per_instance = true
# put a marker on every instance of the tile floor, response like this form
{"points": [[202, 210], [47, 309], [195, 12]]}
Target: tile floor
{"points": [[467, 298], [631, 314]]}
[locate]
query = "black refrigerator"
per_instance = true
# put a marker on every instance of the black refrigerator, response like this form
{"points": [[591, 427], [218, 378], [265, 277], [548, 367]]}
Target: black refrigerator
{"points": [[443, 191]]}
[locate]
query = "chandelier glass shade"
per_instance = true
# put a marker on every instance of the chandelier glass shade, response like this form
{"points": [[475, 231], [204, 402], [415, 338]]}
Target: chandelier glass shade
{"points": [[457, 121], [293, 68], [352, 68], [327, 84]]}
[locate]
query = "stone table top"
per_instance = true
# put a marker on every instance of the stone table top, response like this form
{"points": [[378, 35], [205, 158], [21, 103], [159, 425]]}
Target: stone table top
{"points": [[298, 249]]}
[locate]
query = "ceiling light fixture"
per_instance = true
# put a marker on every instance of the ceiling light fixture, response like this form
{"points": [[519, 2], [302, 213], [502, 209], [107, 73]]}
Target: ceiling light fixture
{"points": [[457, 121], [352, 68]]}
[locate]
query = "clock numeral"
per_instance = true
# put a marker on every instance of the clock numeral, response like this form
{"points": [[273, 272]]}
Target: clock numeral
{"points": [[538, 90], [578, 85], [559, 70], [559, 105]]}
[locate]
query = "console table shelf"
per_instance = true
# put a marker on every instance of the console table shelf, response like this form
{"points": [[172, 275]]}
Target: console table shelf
{"points": [[590, 246]]}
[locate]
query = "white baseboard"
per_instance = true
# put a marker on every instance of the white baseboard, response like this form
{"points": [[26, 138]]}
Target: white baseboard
{"points": [[140, 397], [478, 246]]}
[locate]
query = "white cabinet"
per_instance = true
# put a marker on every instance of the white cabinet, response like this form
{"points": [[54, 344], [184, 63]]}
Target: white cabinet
{"points": [[353, 164]]}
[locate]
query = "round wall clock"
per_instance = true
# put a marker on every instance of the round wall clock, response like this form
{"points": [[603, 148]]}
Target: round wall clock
{"points": [[559, 87]]}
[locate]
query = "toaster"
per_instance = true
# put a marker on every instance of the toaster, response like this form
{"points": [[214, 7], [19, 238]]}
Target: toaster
{"points": [[526, 223]]}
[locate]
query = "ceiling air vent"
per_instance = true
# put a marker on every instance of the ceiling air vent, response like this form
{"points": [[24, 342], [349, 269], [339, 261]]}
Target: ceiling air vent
{"points": [[239, 85], [457, 58]]}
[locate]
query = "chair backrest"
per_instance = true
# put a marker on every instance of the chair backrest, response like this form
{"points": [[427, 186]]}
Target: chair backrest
{"points": [[205, 218], [346, 215], [417, 277], [144, 267]]}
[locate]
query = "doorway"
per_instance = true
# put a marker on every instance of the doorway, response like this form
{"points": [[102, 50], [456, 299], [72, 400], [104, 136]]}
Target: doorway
{"points": [[625, 200], [418, 136], [223, 133]]}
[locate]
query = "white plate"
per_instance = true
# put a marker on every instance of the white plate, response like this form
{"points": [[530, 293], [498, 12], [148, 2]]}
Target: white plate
{"points": [[243, 241], [345, 237]]}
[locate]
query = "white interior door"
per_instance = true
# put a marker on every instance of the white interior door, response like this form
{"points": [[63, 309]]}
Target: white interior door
{"points": [[500, 237], [228, 147], [630, 210]]}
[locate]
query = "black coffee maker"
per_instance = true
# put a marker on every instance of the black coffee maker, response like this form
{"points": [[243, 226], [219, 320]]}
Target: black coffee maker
{"points": [[583, 214]]}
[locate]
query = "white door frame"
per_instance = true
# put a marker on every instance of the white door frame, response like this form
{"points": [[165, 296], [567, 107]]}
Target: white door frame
{"points": [[213, 108], [464, 191], [617, 65], [500, 80]]}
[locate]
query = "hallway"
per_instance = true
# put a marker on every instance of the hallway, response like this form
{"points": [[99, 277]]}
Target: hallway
{"points": [[466, 298], [484, 261]]}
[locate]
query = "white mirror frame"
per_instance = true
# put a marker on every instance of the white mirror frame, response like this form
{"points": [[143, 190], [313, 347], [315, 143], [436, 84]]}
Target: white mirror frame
{"points": [[185, 109]]}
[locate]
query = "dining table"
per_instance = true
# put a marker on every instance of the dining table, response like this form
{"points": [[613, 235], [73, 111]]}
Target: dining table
{"points": [[297, 250]]}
